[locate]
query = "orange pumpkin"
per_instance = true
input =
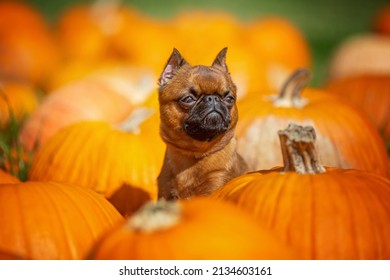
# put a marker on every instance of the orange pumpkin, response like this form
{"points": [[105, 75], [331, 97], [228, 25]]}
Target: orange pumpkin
{"points": [[324, 213], [371, 93], [278, 47], [360, 55], [144, 41], [95, 25], [20, 14], [195, 229], [104, 157], [108, 94], [7, 178], [28, 49], [52, 220], [344, 133]]}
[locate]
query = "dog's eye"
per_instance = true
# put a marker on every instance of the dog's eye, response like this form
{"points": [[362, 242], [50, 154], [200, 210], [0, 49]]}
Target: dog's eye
{"points": [[188, 100], [229, 99]]}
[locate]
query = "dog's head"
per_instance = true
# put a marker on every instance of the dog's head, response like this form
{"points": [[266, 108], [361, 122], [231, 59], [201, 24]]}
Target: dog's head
{"points": [[197, 103]]}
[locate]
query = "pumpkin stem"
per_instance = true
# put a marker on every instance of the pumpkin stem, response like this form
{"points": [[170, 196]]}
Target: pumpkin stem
{"points": [[154, 216], [298, 150], [136, 118], [290, 94]]}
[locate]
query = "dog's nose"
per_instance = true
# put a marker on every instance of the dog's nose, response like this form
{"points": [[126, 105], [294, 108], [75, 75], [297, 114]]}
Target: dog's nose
{"points": [[212, 99]]}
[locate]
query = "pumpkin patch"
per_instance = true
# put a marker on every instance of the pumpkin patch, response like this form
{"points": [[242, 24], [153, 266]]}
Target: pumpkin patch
{"points": [[81, 149]]}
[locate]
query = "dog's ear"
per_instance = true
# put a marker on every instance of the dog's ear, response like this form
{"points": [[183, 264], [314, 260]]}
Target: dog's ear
{"points": [[220, 60], [175, 61]]}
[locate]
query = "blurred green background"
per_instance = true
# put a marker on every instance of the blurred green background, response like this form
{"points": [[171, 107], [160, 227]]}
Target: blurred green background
{"points": [[324, 23]]}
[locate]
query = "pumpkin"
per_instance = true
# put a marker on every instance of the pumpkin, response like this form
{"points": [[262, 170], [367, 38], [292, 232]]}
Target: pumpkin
{"points": [[105, 158], [7, 178], [195, 229], [108, 94], [144, 41], [323, 212], [52, 220], [95, 25], [371, 93], [18, 99], [20, 14], [344, 133], [359, 55], [272, 40], [28, 49]]}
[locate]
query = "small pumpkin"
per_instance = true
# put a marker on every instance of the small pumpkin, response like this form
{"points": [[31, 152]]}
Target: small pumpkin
{"points": [[344, 133], [105, 158], [196, 229], [52, 220], [323, 212], [369, 92]]}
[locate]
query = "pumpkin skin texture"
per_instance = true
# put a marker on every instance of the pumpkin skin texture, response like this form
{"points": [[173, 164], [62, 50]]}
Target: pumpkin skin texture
{"points": [[334, 214], [371, 93], [167, 230], [103, 157], [52, 220], [343, 132]]}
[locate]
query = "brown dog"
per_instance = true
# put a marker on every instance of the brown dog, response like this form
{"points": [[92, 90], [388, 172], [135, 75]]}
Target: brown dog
{"points": [[198, 116]]}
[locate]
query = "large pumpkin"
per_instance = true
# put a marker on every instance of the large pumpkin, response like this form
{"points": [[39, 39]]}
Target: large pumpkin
{"points": [[52, 220], [325, 213], [195, 229], [371, 93], [104, 157], [344, 133]]}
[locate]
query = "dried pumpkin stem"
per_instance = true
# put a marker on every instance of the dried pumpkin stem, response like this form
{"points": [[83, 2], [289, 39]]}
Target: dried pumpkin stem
{"points": [[133, 122], [155, 216], [290, 94], [298, 149]]}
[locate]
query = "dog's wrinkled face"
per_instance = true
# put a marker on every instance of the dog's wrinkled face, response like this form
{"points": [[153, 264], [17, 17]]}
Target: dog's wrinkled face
{"points": [[197, 103]]}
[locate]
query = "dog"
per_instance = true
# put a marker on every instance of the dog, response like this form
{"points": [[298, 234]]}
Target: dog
{"points": [[198, 116]]}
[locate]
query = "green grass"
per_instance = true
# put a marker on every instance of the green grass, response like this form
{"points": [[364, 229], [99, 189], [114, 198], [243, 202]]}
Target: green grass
{"points": [[13, 157]]}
